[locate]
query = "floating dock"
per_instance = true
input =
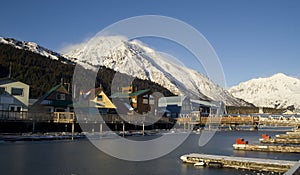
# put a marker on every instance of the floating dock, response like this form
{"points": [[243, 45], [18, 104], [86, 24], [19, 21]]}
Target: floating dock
{"points": [[267, 148], [280, 141], [289, 138], [257, 164]]}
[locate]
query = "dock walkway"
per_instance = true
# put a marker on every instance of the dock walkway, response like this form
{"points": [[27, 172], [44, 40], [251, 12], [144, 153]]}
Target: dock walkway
{"points": [[257, 164], [267, 148]]}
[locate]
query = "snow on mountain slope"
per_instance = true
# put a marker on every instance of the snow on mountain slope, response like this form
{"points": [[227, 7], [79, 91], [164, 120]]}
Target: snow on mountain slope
{"points": [[138, 60], [33, 47], [278, 91]]}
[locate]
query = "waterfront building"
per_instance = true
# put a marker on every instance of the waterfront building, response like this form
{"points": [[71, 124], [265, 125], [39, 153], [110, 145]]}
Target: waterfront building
{"points": [[173, 106], [57, 99], [140, 101], [98, 99], [14, 95]]}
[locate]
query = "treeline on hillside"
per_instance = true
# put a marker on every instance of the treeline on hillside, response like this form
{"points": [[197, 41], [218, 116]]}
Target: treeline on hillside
{"points": [[43, 73]]}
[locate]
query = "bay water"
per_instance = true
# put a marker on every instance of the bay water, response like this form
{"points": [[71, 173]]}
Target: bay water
{"points": [[80, 157]]}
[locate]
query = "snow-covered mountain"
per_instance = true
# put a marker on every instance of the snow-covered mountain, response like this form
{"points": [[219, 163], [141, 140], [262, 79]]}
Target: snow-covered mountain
{"points": [[138, 60], [35, 48], [278, 91]]}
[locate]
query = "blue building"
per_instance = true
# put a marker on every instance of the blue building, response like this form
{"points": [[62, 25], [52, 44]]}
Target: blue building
{"points": [[175, 105]]}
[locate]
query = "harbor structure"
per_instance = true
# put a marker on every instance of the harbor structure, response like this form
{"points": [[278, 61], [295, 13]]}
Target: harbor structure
{"points": [[257, 164], [267, 148], [288, 142], [288, 138]]}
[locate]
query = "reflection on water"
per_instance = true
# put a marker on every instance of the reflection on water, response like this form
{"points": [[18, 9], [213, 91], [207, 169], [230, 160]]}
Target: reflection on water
{"points": [[81, 157]]}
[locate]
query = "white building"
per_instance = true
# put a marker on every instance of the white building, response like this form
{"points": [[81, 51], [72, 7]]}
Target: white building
{"points": [[14, 95]]}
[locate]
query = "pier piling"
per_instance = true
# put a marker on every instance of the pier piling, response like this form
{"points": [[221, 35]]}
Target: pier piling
{"points": [[73, 130], [101, 129]]}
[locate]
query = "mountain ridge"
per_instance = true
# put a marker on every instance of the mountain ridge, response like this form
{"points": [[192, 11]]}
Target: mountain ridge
{"points": [[278, 91], [136, 59], [35, 48], [148, 65]]}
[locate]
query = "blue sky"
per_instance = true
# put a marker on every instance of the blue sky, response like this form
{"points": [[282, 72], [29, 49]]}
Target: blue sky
{"points": [[252, 38]]}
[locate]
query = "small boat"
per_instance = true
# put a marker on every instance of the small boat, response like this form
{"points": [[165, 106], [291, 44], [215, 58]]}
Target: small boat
{"points": [[199, 164]]}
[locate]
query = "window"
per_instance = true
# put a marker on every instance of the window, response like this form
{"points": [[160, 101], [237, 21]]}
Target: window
{"points": [[2, 90], [99, 97], [145, 101], [17, 91], [15, 108], [60, 110], [60, 97]]}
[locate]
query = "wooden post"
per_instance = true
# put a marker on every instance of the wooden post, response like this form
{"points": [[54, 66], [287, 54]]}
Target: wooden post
{"points": [[123, 129], [73, 129], [101, 128], [200, 121], [33, 127], [143, 129]]}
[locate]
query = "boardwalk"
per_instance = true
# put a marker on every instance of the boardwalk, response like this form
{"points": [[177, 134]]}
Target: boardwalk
{"points": [[253, 120], [288, 138], [185, 120], [267, 148], [257, 164]]}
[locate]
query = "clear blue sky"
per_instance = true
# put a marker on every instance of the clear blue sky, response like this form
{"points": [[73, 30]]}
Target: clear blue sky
{"points": [[252, 38]]}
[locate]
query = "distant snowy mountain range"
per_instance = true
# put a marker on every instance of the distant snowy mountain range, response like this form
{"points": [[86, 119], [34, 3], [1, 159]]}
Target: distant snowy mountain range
{"points": [[278, 91]]}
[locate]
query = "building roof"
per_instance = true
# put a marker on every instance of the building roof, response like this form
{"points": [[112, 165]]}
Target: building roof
{"points": [[8, 80], [178, 100], [50, 92], [53, 102], [125, 95], [204, 103], [92, 93], [16, 101], [173, 100]]}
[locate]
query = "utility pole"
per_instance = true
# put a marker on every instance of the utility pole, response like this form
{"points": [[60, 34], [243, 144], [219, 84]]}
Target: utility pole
{"points": [[9, 74]]}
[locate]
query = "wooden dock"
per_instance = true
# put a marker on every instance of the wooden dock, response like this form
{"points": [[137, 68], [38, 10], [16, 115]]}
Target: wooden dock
{"points": [[232, 121], [288, 138], [280, 141], [267, 148], [257, 164]]}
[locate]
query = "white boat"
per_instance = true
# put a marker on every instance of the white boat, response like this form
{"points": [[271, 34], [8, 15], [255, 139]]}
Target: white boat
{"points": [[199, 164]]}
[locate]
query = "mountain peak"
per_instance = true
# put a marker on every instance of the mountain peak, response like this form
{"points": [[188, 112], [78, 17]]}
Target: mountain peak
{"points": [[136, 59], [279, 75], [279, 90]]}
